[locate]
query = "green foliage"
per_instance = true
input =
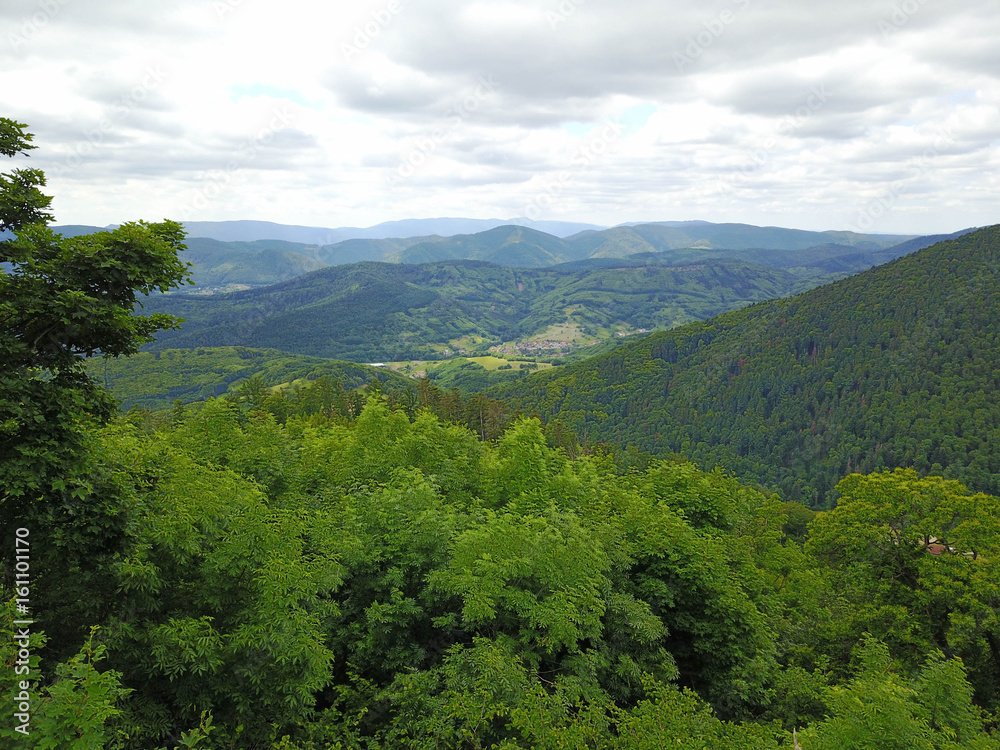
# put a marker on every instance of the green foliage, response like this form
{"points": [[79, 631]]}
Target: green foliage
{"points": [[220, 604], [21, 202], [74, 711], [413, 582], [62, 300], [679, 719], [389, 580], [879, 710], [536, 578], [917, 559]]}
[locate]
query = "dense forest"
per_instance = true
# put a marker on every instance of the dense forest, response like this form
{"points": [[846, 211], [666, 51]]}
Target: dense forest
{"points": [[347, 565], [894, 367], [391, 581]]}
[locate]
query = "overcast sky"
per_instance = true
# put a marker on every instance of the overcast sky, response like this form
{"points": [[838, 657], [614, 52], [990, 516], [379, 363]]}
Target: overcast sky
{"points": [[877, 115]]}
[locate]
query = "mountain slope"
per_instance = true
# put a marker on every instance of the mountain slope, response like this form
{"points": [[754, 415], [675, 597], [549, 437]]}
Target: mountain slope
{"points": [[896, 366], [263, 262], [617, 242], [358, 250], [75, 230]]}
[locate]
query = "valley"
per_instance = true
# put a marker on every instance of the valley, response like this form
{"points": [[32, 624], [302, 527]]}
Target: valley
{"points": [[474, 324]]}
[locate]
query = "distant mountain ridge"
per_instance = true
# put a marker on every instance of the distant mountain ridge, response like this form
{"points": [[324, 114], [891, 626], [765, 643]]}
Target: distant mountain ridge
{"points": [[230, 231], [248, 230], [231, 265]]}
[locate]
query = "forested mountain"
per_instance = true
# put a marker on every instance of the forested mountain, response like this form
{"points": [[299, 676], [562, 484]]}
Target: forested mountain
{"points": [[74, 230], [253, 231], [384, 312], [893, 367], [818, 261], [518, 247], [247, 264]]}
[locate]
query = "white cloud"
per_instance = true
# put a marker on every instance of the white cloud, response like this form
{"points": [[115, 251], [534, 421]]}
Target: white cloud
{"points": [[766, 111]]}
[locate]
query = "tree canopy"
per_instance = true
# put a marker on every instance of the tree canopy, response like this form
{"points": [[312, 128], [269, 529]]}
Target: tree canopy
{"points": [[62, 300]]}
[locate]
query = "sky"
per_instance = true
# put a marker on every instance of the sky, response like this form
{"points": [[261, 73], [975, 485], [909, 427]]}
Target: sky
{"points": [[870, 115]]}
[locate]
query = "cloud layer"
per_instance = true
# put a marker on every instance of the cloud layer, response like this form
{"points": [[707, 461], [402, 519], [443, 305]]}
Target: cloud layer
{"points": [[878, 116]]}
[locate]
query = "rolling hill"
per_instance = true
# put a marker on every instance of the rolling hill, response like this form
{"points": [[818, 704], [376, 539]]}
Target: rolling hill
{"points": [[227, 265], [896, 366], [514, 246], [390, 312], [154, 380]]}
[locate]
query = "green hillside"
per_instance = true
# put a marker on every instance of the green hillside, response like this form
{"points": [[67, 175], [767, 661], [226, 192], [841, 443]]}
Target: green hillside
{"points": [[227, 265], [528, 248], [617, 242], [384, 312], [519, 247], [892, 367], [155, 380], [359, 250]]}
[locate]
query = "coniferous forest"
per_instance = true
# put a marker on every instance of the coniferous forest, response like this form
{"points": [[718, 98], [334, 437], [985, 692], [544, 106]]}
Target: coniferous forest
{"points": [[775, 529]]}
